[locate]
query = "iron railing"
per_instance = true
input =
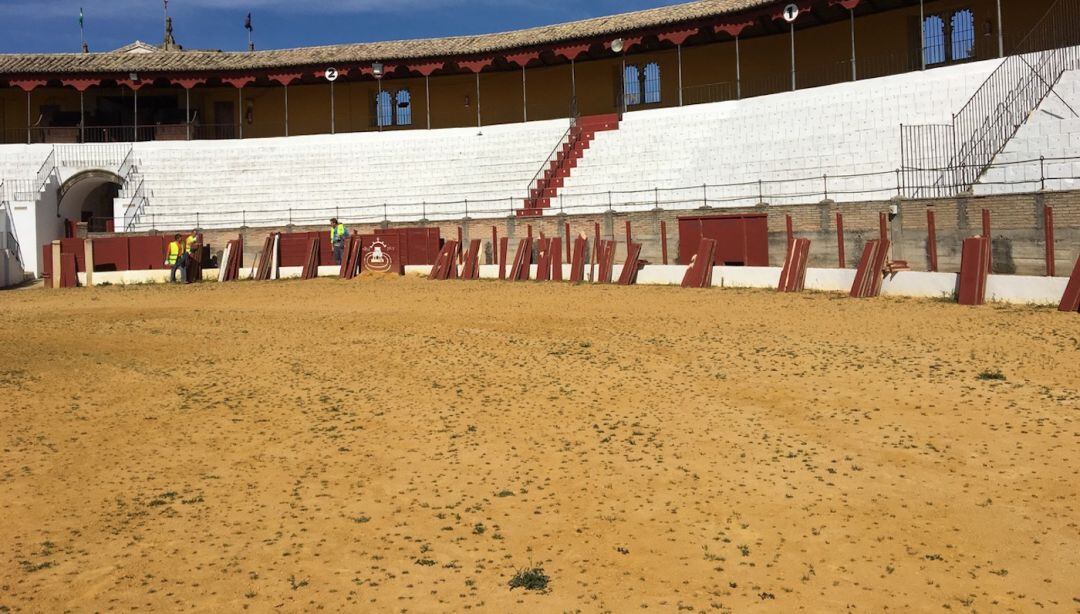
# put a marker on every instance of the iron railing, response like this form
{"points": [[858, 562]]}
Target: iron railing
{"points": [[109, 156], [982, 128], [1022, 176], [135, 207], [551, 157], [8, 240]]}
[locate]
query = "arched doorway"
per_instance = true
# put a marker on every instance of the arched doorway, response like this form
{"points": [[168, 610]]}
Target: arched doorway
{"points": [[88, 196]]}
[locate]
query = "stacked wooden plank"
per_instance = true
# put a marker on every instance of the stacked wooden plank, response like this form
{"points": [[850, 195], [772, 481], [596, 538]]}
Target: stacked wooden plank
{"points": [[870, 274], [1070, 302], [974, 271], [350, 257], [503, 245], [543, 260], [311, 264], [793, 276], [69, 276], [577, 260], [231, 261], [556, 259], [266, 267], [699, 272], [522, 261], [470, 269], [445, 266], [605, 261], [633, 264]]}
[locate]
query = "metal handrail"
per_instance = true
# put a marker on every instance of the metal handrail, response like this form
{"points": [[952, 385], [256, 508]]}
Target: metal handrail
{"points": [[10, 241], [994, 113], [806, 189], [554, 152], [138, 203]]}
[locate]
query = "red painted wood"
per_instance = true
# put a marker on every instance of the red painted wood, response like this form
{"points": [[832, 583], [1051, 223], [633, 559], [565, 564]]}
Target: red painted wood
{"points": [[663, 241], [503, 245], [864, 273], [629, 274], [793, 275], [629, 238], [577, 261], [285, 78], [740, 239], [790, 232], [495, 245], [677, 37], [522, 261], [556, 259], [543, 264], [81, 85], [1048, 226], [973, 270], [28, 85], [111, 254], [840, 240], [699, 270], [931, 239], [69, 275], [883, 226], [187, 82], [445, 262], [734, 28], [566, 239], [147, 253], [1070, 301]]}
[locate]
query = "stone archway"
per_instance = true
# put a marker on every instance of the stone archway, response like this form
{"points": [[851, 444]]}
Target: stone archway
{"points": [[88, 196]]}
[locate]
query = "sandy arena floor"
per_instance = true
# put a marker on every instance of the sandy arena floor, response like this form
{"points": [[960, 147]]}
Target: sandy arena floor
{"points": [[406, 445]]}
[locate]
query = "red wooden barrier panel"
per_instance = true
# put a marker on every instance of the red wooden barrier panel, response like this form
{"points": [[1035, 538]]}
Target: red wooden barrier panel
{"points": [[522, 261], [444, 262], [1070, 301], [503, 245], [543, 261], [699, 272], [605, 262], [556, 259], [577, 261], [630, 268], [471, 268], [69, 275], [793, 276], [869, 275], [974, 268], [311, 265]]}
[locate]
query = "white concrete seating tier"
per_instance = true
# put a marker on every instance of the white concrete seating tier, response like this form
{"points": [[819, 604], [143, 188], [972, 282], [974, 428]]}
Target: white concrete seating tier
{"points": [[844, 129], [357, 177], [1052, 132]]}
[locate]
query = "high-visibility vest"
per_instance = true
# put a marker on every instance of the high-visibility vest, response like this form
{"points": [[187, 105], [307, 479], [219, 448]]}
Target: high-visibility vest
{"points": [[338, 233], [189, 242], [174, 253]]}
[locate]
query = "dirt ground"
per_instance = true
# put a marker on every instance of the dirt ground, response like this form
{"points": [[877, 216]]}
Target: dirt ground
{"points": [[408, 445]]}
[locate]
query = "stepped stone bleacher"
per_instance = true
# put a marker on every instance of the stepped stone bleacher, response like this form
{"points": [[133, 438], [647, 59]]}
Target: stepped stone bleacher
{"points": [[1052, 132], [796, 137], [357, 177]]}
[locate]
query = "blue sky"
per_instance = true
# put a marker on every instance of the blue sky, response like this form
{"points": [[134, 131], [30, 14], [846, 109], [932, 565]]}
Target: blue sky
{"points": [[52, 25]]}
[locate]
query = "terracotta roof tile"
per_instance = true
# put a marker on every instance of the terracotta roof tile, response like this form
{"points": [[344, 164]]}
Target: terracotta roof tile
{"points": [[390, 51]]}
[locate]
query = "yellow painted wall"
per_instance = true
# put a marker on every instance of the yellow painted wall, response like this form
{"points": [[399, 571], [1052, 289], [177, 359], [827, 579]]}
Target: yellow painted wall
{"points": [[886, 43]]}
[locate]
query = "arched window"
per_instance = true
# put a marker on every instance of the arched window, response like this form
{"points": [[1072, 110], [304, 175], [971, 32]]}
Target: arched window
{"points": [[384, 111], [632, 85], [404, 108], [934, 40], [652, 83], [962, 29]]}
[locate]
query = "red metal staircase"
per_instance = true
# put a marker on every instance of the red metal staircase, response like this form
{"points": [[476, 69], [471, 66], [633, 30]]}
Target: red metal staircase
{"points": [[545, 185]]}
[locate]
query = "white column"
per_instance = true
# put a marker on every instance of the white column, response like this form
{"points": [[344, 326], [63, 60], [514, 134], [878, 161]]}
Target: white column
{"points": [[427, 99], [286, 109], [29, 138], [524, 96], [135, 137], [573, 78], [82, 118], [479, 123], [333, 119]]}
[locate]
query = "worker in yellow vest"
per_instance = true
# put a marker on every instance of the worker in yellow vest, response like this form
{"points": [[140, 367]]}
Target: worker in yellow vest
{"points": [[191, 248], [176, 258], [338, 232]]}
